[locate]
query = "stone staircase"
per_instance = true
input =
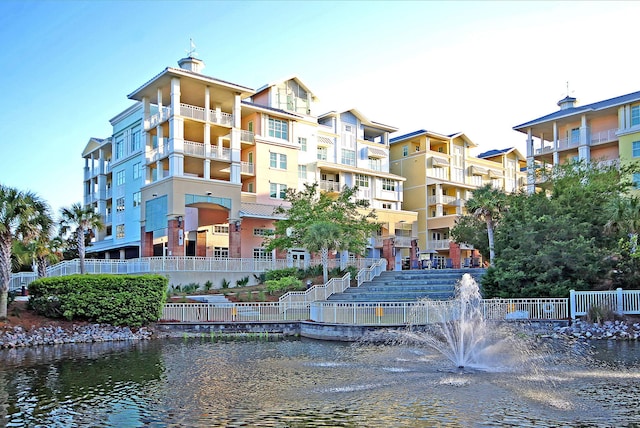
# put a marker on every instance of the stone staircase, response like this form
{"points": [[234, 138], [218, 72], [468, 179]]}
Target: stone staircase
{"points": [[407, 285]]}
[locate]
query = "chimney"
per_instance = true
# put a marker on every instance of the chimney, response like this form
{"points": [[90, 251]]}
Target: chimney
{"points": [[567, 102], [192, 64]]}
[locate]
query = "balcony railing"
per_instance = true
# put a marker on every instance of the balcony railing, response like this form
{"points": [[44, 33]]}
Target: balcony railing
{"points": [[440, 173], [604, 136], [247, 168], [220, 118], [438, 244], [247, 136], [154, 120], [193, 112], [193, 148], [329, 186]]}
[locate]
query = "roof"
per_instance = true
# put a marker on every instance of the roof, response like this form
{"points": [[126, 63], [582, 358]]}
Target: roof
{"points": [[494, 152], [250, 209], [418, 133], [275, 110], [600, 105], [296, 78]]}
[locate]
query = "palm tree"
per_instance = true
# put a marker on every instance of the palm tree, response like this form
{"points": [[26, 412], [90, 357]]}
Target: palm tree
{"points": [[18, 213], [486, 204], [322, 237], [45, 249], [624, 217], [82, 220]]}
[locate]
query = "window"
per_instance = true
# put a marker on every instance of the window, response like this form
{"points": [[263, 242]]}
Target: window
{"points": [[636, 180], [135, 141], [262, 232], [635, 149], [362, 180], [250, 187], [137, 199], [388, 184], [386, 206], [348, 157], [278, 128], [221, 229], [120, 231], [137, 167], [120, 177], [575, 136], [303, 143], [119, 147], [221, 252], [322, 153], [261, 254], [120, 205], [251, 126], [375, 164], [278, 160], [405, 150], [277, 191], [302, 172], [635, 115]]}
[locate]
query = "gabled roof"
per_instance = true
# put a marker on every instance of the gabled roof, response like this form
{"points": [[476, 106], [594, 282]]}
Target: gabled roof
{"points": [[93, 144], [421, 132], [498, 152], [600, 105], [272, 109], [296, 78]]}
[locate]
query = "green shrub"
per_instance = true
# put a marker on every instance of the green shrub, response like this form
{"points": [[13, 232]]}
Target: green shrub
{"points": [[261, 278], [599, 314], [261, 296], [315, 270], [208, 285], [288, 283], [131, 300], [225, 283], [242, 282], [271, 275], [190, 288]]}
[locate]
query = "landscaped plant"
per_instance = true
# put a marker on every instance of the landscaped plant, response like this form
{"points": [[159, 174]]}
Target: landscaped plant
{"points": [[131, 300], [208, 285], [242, 282], [281, 273], [225, 283], [288, 283]]}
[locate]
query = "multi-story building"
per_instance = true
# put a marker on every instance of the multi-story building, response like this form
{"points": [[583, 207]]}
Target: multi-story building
{"points": [[197, 165], [604, 131], [441, 175]]}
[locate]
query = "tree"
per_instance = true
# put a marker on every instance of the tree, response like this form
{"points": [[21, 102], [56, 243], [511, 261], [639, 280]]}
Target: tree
{"points": [[486, 204], [320, 222], [18, 214], [82, 220]]}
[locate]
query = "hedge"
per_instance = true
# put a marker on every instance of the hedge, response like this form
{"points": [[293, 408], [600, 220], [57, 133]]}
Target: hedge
{"points": [[125, 300]]}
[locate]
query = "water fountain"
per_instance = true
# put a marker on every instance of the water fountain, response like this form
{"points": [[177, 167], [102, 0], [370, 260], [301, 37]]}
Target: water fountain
{"points": [[457, 329]]}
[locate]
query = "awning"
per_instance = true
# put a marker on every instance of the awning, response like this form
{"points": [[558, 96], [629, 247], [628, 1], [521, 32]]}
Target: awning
{"points": [[372, 152], [476, 170], [324, 141], [494, 173], [439, 161]]}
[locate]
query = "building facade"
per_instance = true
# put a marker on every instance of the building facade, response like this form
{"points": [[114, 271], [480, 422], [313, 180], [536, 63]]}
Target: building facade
{"points": [[604, 131], [197, 165], [441, 175]]}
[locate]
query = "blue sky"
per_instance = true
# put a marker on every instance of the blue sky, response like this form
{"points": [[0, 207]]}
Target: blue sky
{"points": [[473, 67]]}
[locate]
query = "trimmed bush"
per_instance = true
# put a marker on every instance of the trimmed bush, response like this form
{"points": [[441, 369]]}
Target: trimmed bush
{"points": [[288, 283], [277, 274], [125, 300]]}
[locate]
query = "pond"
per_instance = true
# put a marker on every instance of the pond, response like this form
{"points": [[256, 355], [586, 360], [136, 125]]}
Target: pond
{"points": [[306, 383]]}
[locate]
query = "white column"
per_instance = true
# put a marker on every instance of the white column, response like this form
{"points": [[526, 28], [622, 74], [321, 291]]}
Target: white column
{"points": [[584, 151], [235, 141], [207, 102], [176, 132], [531, 177]]}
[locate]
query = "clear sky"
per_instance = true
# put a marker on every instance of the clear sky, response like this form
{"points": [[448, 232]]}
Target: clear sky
{"points": [[480, 68]]}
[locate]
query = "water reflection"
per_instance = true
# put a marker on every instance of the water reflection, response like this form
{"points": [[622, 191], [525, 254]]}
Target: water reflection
{"points": [[304, 384]]}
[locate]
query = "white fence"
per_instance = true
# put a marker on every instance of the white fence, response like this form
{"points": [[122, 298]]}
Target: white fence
{"points": [[175, 264], [231, 312], [622, 302]]}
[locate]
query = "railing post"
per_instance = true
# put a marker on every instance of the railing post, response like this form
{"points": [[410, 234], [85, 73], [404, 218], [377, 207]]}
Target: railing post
{"points": [[619, 302], [572, 304]]}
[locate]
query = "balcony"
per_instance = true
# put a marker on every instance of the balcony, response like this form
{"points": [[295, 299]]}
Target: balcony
{"points": [[247, 168], [194, 148], [398, 241], [156, 119], [438, 244], [604, 136], [439, 173], [329, 186], [443, 199], [247, 136]]}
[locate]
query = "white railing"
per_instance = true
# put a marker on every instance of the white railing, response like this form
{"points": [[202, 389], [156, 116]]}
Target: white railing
{"points": [[329, 186], [232, 312], [247, 168], [437, 173], [193, 112], [175, 264], [367, 274], [402, 241], [193, 148], [153, 121], [247, 136], [317, 292], [221, 118], [622, 302], [604, 136], [219, 152], [438, 244]]}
